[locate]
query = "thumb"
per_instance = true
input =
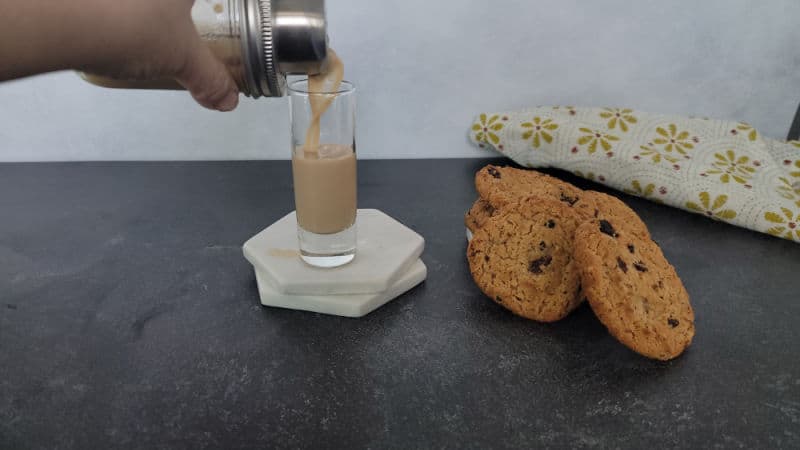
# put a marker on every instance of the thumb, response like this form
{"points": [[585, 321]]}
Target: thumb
{"points": [[207, 79]]}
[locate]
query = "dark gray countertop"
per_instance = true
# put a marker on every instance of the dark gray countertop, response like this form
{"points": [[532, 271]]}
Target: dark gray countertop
{"points": [[130, 319]]}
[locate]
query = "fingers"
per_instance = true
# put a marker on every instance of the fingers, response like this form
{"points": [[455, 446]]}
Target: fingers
{"points": [[208, 80]]}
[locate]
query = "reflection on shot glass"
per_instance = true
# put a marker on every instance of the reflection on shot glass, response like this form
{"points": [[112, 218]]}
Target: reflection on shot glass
{"points": [[324, 171]]}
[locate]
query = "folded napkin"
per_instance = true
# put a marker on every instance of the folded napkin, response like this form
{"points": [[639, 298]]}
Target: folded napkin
{"points": [[724, 170]]}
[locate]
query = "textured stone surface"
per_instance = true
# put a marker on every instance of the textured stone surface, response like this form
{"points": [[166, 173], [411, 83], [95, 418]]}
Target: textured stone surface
{"points": [[129, 319]]}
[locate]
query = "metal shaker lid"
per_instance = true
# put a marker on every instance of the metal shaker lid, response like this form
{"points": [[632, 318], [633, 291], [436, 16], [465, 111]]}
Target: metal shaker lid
{"points": [[283, 37]]}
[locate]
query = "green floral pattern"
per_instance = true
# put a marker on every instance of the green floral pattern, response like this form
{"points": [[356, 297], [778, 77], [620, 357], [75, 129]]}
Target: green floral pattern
{"points": [[646, 191], [590, 176], [787, 224], [729, 167], [595, 139], [655, 155], [673, 139], [745, 129], [539, 130], [571, 110], [789, 191], [486, 129], [795, 173], [713, 208], [619, 117]]}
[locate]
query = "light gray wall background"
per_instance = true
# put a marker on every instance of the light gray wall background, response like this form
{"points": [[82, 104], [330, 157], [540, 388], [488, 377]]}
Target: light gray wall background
{"points": [[426, 67]]}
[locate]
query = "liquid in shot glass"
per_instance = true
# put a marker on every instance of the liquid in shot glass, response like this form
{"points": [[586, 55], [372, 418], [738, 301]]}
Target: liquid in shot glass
{"points": [[324, 170]]}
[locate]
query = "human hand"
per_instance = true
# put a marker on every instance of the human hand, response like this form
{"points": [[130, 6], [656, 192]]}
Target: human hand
{"points": [[125, 39], [154, 39]]}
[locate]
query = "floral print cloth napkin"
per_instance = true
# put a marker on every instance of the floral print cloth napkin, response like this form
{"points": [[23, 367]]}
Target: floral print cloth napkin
{"points": [[724, 170]]}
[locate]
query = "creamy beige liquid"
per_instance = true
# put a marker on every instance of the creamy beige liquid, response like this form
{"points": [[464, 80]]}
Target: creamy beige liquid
{"points": [[324, 175], [325, 188]]}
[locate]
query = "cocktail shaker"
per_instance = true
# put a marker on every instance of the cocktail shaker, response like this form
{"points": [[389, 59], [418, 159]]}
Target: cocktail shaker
{"points": [[259, 41]]}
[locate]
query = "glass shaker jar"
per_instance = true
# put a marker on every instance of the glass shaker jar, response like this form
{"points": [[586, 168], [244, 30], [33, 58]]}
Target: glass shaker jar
{"points": [[259, 41]]}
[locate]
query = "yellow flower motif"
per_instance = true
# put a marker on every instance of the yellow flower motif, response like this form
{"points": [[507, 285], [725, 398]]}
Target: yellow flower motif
{"points": [[730, 166], [570, 109], [672, 139], [789, 191], [712, 209], [486, 129], [654, 154], [621, 117], [539, 130], [595, 138], [788, 224], [796, 174], [747, 130], [590, 176], [645, 191]]}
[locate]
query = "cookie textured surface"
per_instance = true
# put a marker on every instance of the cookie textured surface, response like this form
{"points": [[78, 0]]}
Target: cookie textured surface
{"points": [[478, 215], [505, 185], [599, 206], [501, 186], [633, 290], [522, 258]]}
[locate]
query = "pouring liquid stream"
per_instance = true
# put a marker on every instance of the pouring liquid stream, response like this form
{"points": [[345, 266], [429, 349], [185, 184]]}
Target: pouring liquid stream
{"points": [[324, 174], [324, 85]]}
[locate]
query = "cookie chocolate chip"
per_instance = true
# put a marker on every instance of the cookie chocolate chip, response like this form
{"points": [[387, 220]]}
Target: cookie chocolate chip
{"points": [[648, 309], [607, 228], [536, 265], [531, 264]]}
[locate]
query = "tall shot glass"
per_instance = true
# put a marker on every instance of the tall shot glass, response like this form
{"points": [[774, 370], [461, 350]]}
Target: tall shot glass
{"points": [[324, 173]]}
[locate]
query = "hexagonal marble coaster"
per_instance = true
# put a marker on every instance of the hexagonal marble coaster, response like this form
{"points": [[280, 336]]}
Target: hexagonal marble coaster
{"points": [[386, 250], [356, 305]]}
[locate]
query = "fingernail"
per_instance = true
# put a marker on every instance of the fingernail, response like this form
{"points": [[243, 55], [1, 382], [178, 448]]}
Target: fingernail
{"points": [[229, 102]]}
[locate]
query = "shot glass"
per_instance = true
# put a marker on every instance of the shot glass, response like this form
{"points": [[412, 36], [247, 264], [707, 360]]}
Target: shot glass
{"points": [[324, 172]]}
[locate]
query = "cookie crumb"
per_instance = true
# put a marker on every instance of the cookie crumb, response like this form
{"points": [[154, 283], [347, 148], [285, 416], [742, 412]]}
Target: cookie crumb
{"points": [[622, 265], [607, 228], [536, 265]]}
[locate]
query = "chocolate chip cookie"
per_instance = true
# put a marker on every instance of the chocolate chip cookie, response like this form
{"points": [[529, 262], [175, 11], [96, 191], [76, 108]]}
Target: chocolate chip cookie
{"points": [[633, 289], [592, 205], [500, 186], [503, 185], [477, 216], [522, 258]]}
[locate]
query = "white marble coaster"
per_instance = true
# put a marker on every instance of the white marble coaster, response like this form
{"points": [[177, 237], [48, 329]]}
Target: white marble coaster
{"points": [[386, 250], [357, 305]]}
